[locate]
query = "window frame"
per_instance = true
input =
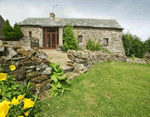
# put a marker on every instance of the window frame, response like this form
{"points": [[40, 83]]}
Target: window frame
{"points": [[106, 41], [80, 37]]}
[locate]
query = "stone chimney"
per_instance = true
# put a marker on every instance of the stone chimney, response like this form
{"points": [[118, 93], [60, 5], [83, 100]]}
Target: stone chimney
{"points": [[52, 15]]}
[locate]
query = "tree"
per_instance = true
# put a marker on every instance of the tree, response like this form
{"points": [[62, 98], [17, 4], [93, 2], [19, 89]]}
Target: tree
{"points": [[70, 42], [147, 45], [133, 45], [7, 30], [17, 31]]}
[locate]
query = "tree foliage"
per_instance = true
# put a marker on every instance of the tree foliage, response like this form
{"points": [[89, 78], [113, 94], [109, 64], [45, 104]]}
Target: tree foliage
{"points": [[70, 42], [17, 31], [147, 45], [7, 30], [10, 32], [133, 45]]}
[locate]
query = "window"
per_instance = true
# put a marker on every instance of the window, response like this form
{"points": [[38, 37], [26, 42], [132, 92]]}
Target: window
{"points": [[105, 41], [30, 34], [79, 38], [51, 30]]}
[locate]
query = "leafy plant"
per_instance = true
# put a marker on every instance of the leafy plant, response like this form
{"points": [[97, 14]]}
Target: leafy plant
{"points": [[17, 107], [133, 57], [59, 80], [93, 46], [70, 42], [9, 90]]}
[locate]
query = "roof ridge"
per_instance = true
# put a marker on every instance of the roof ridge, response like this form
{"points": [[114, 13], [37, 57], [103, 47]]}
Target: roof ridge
{"points": [[68, 18]]}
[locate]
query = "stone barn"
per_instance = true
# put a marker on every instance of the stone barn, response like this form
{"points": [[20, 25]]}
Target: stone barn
{"points": [[49, 31], [2, 23]]}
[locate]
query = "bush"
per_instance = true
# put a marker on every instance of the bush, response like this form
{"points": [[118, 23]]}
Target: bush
{"points": [[133, 57], [17, 31], [70, 42], [9, 32], [91, 45], [133, 45]]}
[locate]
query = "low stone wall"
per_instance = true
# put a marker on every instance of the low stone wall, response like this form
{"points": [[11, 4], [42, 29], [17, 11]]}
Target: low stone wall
{"points": [[30, 65], [25, 42], [137, 60], [83, 60]]}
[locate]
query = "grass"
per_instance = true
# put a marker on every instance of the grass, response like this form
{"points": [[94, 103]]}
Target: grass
{"points": [[107, 90]]}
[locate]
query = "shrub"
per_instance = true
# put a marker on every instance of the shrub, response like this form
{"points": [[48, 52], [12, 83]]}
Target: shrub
{"points": [[9, 32], [17, 31], [133, 57], [59, 80], [93, 46], [70, 42], [133, 45]]}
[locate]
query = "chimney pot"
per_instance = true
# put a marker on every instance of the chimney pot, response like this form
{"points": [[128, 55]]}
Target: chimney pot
{"points": [[52, 15]]}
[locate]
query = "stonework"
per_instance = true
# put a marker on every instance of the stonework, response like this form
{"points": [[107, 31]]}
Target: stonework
{"points": [[36, 32], [115, 44], [81, 61], [60, 36], [114, 36], [30, 65], [24, 42]]}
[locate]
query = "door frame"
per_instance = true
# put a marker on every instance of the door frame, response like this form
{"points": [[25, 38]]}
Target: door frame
{"points": [[46, 33]]}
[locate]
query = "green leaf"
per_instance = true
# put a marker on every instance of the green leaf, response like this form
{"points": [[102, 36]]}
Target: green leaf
{"points": [[54, 78], [68, 82], [62, 77], [53, 87], [59, 85]]}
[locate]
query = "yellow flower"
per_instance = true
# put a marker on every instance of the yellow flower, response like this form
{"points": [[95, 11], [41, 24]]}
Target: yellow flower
{"points": [[28, 103], [15, 101], [12, 67], [21, 116], [4, 108], [3, 76], [20, 97], [27, 113]]}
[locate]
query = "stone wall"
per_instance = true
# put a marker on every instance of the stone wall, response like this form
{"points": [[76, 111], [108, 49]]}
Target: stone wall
{"points": [[60, 36], [137, 60], [24, 42], [36, 31], [30, 65], [114, 37], [83, 60]]}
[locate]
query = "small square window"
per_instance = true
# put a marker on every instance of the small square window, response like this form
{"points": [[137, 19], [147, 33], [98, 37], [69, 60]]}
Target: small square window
{"points": [[105, 41], [79, 38]]}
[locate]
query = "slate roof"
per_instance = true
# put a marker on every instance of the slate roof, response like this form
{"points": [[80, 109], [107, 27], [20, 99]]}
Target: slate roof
{"points": [[61, 22]]}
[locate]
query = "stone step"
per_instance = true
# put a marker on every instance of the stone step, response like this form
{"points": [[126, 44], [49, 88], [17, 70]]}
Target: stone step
{"points": [[67, 68]]}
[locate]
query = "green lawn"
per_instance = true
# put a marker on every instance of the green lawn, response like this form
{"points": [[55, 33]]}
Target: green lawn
{"points": [[107, 90]]}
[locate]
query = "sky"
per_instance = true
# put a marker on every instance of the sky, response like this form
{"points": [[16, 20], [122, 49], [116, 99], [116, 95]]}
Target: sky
{"points": [[132, 15]]}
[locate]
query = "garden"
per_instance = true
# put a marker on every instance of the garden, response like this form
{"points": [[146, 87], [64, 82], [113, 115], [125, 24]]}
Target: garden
{"points": [[105, 89]]}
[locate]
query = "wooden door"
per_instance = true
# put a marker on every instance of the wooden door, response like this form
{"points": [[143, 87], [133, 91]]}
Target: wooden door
{"points": [[50, 39]]}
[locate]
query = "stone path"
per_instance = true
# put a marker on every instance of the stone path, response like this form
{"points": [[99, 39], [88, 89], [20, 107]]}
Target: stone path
{"points": [[59, 57]]}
